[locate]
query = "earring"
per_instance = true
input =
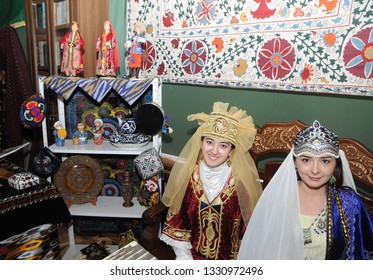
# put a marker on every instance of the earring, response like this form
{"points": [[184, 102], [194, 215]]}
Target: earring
{"points": [[332, 180], [229, 162]]}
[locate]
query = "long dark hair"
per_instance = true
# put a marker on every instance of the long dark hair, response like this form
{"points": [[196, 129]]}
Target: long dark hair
{"points": [[338, 173]]}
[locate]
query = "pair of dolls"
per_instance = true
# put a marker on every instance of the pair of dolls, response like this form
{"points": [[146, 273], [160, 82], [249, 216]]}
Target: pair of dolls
{"points": [[108, 56], [81, 135]]}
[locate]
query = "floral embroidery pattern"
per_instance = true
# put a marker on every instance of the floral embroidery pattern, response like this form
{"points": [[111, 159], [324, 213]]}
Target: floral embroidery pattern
{"points": [[301, 46], [276, 58], [193, 57], [148, 57], [206, 11], [359, 54]]}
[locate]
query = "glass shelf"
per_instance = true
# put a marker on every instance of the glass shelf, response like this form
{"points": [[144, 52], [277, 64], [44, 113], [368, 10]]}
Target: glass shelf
{"points": [[105, 149]]}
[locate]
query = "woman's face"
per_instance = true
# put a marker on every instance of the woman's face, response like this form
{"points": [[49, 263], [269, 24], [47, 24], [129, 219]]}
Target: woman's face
{"points": [[215, 151], [315, 172]]}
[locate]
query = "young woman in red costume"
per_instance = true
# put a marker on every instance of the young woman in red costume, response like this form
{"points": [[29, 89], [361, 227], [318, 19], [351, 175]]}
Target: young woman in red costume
{"points": [[213, 187]]}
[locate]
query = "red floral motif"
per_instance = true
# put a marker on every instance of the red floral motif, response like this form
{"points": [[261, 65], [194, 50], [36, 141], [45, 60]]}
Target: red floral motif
{"points": [[263, 11], [175, 43], [307, 73], [148, 57], [161, 69], [358, 54], [193, 57], [168, 19], [276, 58]]}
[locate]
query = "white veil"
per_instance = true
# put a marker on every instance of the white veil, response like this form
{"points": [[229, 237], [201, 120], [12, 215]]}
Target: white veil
{"points": [[274, 231]]}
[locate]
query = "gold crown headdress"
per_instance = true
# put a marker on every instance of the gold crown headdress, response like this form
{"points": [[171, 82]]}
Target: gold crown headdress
{"points": [[232, 125], [317, 141], [221, 126]]}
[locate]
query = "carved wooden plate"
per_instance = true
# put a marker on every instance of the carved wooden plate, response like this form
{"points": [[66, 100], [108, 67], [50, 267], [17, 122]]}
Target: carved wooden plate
{"points": [[79, 180]]}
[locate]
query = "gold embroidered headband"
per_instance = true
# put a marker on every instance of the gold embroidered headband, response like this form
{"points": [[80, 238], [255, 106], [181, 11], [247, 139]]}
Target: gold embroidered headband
{"points": [[221, 126]]}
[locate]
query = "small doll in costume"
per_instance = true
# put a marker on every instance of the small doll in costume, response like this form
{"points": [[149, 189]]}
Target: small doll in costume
{"points": [[72, 57], [59, 133], [81, 134], [98, 132], [108, 59], [135, 50]]}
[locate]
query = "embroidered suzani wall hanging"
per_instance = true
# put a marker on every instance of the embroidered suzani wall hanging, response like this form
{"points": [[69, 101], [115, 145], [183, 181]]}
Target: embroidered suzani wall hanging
{"points": [[321, 46]]}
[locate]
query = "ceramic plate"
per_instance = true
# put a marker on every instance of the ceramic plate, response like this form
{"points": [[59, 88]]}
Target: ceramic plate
{"points": [[79, 180]]}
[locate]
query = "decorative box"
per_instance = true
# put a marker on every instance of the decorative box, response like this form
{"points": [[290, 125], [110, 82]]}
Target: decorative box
{"points": [[148, 163], [23, 180]]}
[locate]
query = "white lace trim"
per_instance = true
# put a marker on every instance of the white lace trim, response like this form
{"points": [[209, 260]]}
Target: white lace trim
{"points": [[175, 243]]}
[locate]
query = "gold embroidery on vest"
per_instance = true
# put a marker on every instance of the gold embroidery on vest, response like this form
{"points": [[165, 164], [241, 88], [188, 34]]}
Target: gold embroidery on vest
{"points": [[178, 234], [235, 239], [210, 222]]}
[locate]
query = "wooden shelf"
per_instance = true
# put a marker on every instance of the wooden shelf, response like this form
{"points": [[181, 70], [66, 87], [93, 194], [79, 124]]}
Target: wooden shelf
{"points": [[105, 149]]}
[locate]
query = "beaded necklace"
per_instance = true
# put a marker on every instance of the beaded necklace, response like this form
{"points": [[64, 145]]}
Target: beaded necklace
{"points": [[307, 235]]}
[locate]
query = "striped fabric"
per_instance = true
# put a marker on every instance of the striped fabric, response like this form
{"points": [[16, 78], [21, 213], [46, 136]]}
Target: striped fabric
{"points": [[98, 88]]}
